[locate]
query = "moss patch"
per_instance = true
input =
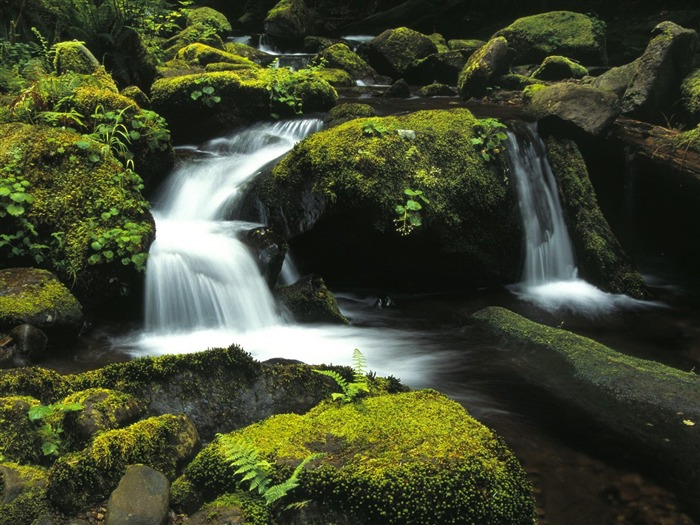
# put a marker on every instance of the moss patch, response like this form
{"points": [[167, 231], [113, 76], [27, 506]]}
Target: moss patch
{"points": [[483, 68], [690, 92], [30, 502], [340, 56], [559, 68], [414, 457], [202, 54], [19, 440]]}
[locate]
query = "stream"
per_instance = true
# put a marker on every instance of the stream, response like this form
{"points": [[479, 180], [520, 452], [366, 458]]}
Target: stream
{"points": [[204, 290]]}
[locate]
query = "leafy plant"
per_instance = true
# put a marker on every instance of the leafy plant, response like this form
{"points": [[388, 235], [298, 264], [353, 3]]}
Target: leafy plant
{"points": [[489, 139], [111, 132], [207, 93], [350, 390], [374, 128], [258, 472], [409, 216], [283, 85], [123, 243], [50, 432]]}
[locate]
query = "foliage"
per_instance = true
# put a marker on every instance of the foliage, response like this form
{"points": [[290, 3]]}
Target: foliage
{"points": [[490, 136], [409, 216], [283, 85], [258, 471], [50, 432], [206, 93], [124, 243], [375, 127], [350, 391]]}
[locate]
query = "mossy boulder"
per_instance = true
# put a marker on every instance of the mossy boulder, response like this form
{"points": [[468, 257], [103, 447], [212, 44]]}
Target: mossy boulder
{"points": [[202, 54], [84, 201], [19, 439], [290, 21], [249, 52], [406, 458], [74, 56], [340, 56], [237, 97], [208, 17], [645, 407], [555, 68], [336, 77], [22, 494], [395, 50], [348, 111], [440, 42], [441, 67], [436, 90], [466, 45], [45, 385], [194, 34], [667, 60], [232, 508], [600, 257], [79, 479], [310, 301], [575, 108], [690, 93], [574, 35], [38, 298], [616, 79], [344, 183], [483, 68], [103, 410]]}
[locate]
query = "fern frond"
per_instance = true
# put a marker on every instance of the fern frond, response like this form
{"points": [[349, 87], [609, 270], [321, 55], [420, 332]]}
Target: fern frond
{"points": [[359, 365], [342, 383]]}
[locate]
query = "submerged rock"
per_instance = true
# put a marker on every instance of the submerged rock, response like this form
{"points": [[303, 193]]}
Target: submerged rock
{"points": [[310, 301], [406, 458], [646, 407]]}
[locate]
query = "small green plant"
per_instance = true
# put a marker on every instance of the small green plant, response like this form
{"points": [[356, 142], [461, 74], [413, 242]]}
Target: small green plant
{"points": [[489, 138], [283, 84], [350, 391], [206, 93], [124, 243], [51, 432], [374, 128], [258, 472], [409, 213], [111, 132]]}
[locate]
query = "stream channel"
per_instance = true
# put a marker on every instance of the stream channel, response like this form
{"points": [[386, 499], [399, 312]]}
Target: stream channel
{"points": [[204, 290]]}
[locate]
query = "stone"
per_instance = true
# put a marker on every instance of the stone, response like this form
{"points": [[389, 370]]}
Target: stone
{"points": [[395, 50], [30, 342], [271, 249], [616, 79], [75, 57], [310, 301], [440, 67], [141, 498], [483, 68], [556, 68], [398, 89]]}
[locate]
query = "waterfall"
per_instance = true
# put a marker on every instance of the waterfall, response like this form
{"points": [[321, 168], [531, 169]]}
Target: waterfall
{"points": [[199, 274], [550, 277]]}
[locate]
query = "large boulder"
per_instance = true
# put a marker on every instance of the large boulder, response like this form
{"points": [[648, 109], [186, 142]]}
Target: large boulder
{"points": [[79, 479], [203, 55], [37, 297], [340, 187], [576, 107], [340, 56], [91, 223], [290, 21], [647, 408], [666, 61], [616, 79], [22, 494], [395, 50], [555, 68], [74, 56], [600, 257], [484, 67], [141, 498], [573, 35], [406, 458], [208, 17], [19, 437], [440, 67]]}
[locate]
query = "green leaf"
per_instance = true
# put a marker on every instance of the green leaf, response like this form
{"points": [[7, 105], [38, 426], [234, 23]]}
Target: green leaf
{"points": [[4, 191], [413, 205], [39, 412], [49, 449], [69, 407], [400, 210], [96, 245], [196, 95], [18, 197], [94, 157], [134, 135], [208, 90], [105, 215], [15, 210], [94, 258]]}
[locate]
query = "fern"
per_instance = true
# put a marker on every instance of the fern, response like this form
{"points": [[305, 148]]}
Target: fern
{"points": [[350, 390], [279, 491]]}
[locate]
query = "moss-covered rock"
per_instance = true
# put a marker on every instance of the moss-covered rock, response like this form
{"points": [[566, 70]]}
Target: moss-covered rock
{"points": [[394, 50], [440, 42], [87, 209], [136, 94], [439, 67], [574, 35], [690, 92], [646, 407], [557, 67], [80, 479], [251, 53], [19, 439], [74, 56], [22, 494], [336, 77], [340, 56], [194, 34], [290, 20], [666, 61], [347, 180], [348, 111], [483, 68], [468, 45], [238, 97], [310, 301], [36, 297], [600, 257], [202, 54], [407, 458], [616, 79], [436, 90], [206, 16], [43, 384], [103, 410], [232, 508]]}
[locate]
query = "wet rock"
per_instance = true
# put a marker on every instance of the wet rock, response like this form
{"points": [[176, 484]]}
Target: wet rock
{"points": [[440, 67], [271, 249], [30, 342], [141, 498], [616, 79], [290, 21], [395, 50], [660, 70], [436, 90], [556, 68], [398, 89], [310, 301], [483, 68]]}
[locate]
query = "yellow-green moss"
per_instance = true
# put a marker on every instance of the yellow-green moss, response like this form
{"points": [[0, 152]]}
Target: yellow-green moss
{"points": [[690, 93], [440, 42], [31, 503], [43, 384], [399, 48], [252, 510], [557, 67], [74, 56], [574, 35], [465, 44], [19, 440], [407, 458], [80, 479], [335, 77], [196, 33], [249, 52], [208, 17], [483, 68], [201, 55], [340, 56]]}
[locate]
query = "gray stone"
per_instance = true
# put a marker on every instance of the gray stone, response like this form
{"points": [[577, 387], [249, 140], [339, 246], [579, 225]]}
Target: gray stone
{"points": [[30, 341], [141, 498], [483, 67], [616, 79]]}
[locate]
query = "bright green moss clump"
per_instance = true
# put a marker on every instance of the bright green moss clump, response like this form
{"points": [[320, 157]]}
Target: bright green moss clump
{"points": [[407, 458], [19, 440], [559, 68], [201, 55], [340, 56], [30, 502], [690, 92], [573, 35]]}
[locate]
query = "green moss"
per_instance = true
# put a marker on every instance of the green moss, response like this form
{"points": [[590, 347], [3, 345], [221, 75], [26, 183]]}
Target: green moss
{"points": [[253, 510], [517, 82], [336, 77], [42, 293], [559, 68], [184, 497], [407, 458], [400, 47], [688, 140], [340, 56], [600, 255], [19, 440], [690, 93], [201, 55], [196, 33], [565, 33], [251, 53], [208, 17], [483, 68], [80, 479], [348, 111], [43, 384], [470, 45], [440, 42], [31, 503], [74, 56]]}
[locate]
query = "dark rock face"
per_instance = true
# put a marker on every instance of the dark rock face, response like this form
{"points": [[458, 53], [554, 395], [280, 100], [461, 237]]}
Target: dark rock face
{"points": [[310, 301], [643, 406], [440, 67], [666, 61], [290, 21], [30, 342], [416, 14], [141, 498], [398, 89], [271, 249]]}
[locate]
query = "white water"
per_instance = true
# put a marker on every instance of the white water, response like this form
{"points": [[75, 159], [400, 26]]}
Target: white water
{"points": [[550, 276]]}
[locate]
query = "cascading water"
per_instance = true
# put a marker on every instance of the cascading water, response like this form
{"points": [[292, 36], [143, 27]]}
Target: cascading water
{"points": [[549, 277]]}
